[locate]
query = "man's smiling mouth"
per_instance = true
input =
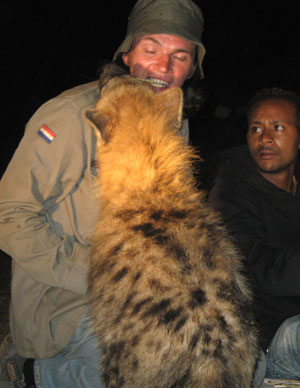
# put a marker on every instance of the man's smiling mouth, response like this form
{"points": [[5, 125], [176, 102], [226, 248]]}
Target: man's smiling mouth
{"points": [[157, 83]]}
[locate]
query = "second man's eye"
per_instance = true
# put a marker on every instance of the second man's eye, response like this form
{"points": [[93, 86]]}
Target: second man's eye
{"points": [[255, 129], [279, 127]]}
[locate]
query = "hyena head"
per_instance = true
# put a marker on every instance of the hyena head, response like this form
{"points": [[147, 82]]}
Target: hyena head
{"points": [[121, 96], [139, 131]]}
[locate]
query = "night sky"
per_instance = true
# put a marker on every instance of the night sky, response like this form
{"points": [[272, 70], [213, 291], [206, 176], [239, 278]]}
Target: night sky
{"points": [[49, 48]]}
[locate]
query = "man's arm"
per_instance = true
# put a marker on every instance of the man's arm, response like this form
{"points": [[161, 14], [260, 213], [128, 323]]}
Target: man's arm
{"points": [[275, 270], [39, 177]]}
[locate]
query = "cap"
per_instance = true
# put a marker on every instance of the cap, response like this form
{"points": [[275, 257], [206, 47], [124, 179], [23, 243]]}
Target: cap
{"points": [[182, 18]]}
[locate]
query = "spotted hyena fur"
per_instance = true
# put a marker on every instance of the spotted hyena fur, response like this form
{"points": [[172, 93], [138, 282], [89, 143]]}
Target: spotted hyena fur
{"points": [[168, 301]]}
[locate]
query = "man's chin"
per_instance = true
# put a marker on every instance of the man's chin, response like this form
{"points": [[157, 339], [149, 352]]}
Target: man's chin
{"points": [[271, 169]]}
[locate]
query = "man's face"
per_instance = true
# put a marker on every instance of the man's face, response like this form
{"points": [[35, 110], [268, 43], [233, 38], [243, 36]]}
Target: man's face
{"points": [[273, 137], [166, 60]]}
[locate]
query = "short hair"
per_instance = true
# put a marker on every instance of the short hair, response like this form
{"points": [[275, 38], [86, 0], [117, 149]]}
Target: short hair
{"points": [[276, 93]]}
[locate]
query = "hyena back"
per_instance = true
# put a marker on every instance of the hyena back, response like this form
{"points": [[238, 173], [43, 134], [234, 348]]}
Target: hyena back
{"points": [[168, 301]]}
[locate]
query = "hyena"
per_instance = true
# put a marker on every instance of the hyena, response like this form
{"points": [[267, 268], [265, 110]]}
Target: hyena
{"points": [[168, 299]]}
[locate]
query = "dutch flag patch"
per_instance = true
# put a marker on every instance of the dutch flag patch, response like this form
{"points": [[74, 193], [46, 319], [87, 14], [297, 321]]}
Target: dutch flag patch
{"points": [[47, 134]]}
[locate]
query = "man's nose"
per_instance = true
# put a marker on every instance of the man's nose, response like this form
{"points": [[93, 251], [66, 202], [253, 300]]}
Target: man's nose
{"points": [[163, 63], [266, 137]]}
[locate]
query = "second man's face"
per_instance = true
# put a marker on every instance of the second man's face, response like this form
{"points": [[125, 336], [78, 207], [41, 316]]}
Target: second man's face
{"points": [[165, 60], [273, 137]]}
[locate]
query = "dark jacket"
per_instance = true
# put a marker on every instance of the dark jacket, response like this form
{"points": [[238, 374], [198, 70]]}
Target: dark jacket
{"points": [[265, 223]]}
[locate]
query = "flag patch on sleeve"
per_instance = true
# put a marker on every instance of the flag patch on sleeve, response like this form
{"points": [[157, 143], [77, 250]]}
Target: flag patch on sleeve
{"points": [[47, 134]]}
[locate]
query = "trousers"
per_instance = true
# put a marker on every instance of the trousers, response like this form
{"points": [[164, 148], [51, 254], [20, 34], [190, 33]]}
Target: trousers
{"points": [[78, 365], [283, 354]]}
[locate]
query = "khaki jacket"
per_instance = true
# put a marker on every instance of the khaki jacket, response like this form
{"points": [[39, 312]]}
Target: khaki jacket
{"points": [[47, 213]]}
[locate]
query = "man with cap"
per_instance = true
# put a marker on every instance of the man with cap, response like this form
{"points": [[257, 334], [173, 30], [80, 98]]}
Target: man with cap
{"points": [[47, 209]]}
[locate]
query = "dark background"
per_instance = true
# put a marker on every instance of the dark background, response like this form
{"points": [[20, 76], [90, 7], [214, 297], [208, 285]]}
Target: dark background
{"points": [[49, 47]]}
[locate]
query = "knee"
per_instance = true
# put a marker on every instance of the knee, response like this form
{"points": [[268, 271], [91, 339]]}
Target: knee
{"points": [[290, 327], [287, 336]]}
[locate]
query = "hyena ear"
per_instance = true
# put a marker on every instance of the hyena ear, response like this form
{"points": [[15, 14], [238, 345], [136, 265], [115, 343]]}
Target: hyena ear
{"points": [[99, 122], [172, 101], [108, 72]]}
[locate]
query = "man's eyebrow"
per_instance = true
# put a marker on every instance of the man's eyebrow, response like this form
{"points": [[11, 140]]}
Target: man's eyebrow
{"points": [[157, 42], [272, 122], [149, 38], [279, 121]]}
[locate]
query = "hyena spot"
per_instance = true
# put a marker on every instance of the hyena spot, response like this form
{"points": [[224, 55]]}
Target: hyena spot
{"points": [[223, 324], [120, 274], [128, 301], [206, 339], [194, 340], [121, 381], [157, 285], [158, 347], [110, 300], [118, 319], [227, 291], [106, 266], [147, 229], [106, 377], [139, 305], [178, 253], [150, 343], [128, 327], [135, 340], [180, 324], [179, 214], [161, 239], [127, 215], [171, 315], [157, 215], [115, 250], [158, 307], [115, 349], [137, 276], [218, 352], [198, 298], [208, 260], [182, 381], [135, 364]]}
